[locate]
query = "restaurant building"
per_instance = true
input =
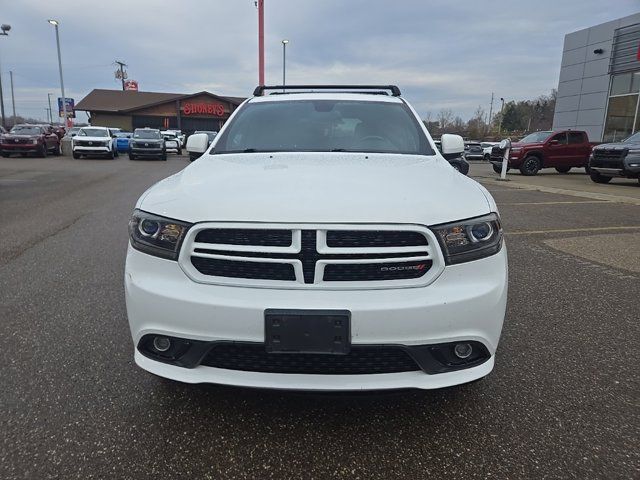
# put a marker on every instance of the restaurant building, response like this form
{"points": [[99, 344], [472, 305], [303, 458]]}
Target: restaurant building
{"points": [[129, 110]]}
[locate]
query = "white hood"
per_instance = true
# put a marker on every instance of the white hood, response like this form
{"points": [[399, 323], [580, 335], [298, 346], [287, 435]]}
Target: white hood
{"points": [[318, 188]]}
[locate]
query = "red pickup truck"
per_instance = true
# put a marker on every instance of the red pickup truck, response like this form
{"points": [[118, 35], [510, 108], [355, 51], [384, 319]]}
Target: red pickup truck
{"points": [[560, 149]]}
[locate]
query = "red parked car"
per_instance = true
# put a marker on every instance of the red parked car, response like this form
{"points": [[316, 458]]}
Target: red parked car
{"points": [[25, 139], [562, 150]]}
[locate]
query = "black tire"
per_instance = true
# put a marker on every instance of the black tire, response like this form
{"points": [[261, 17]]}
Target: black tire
{"points": [[563, 169], [498, 169], [116, 153], [192, 157], [56, 150], [530, 166], [6, 154], [487, 157], [132, 156], [164, 157], [179, 151], [111, 155], [43, 151], [599, 178], [76, 155]]}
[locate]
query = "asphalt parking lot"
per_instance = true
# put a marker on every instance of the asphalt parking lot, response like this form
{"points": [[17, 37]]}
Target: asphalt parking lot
{"points": [[562, 401]]}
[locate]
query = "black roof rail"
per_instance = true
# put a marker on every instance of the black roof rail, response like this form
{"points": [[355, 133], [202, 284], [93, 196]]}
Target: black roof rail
{"points": [[259, 91]]}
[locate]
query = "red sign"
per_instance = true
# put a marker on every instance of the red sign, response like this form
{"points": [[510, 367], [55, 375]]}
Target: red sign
{"points": [[131, 85], [203, 109]]}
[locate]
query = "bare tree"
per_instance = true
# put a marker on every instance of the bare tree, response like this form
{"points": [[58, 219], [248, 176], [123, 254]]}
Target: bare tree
{"points": [[445, 118]]}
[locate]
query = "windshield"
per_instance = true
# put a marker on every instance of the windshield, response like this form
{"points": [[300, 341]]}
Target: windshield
{"points": [[633, 138], [153, 134], [26, 130], [324, 126], [537, 137], [169, 136], [123, 134], [92, 132]]}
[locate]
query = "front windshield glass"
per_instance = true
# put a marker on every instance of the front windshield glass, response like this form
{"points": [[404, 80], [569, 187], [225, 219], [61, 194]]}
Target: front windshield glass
{"points": [[26, 130], [123, 134], [634, 138], [324, 126], [92, 132], [149, 134], [536, 137]]}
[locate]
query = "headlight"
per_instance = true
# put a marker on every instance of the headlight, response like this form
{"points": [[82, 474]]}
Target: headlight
{"points": [[156, 235], [33, 140], [634, 151], [470, 239]]}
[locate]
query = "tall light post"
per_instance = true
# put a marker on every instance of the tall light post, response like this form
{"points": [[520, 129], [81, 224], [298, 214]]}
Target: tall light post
{"points": [[501, 110], [50, 111], [4, 30], [260, 7], [284, 62], [64, 99], [13, 98]]}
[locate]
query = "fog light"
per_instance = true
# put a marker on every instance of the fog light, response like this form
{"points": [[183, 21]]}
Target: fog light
{"points": [[462, 350], [162, 344]]}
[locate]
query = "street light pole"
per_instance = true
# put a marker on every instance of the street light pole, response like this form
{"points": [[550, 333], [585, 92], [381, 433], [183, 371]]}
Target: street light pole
{"points": [[501, 110], [284, 63], [4, 30], [260, 5], [13, 99], [64, 99], [50, 111]]}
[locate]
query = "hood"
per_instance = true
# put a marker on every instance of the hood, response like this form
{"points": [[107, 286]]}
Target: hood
{"points": [[520, 145], [9, 136], [617, 146], [86, 138], [317, 188]]}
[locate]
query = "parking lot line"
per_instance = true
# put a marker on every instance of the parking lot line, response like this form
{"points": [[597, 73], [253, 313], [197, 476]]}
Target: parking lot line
{"points": [[573, 230], [553, 203]]}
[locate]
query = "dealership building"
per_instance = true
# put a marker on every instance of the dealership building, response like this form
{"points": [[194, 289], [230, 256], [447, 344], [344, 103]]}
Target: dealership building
{"points": [[600, 80], [132, 109]]}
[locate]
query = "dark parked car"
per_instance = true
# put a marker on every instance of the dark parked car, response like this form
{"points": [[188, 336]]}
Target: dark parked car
{"points": [[147, 143], [25, 139], [473, 151], [616, 160], [122, 140]]}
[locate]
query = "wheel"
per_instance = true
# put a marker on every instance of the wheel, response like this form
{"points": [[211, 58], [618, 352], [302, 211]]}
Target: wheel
{"points": [[116, 153], [6, 154], [56, 150], [498, 169], [563, 169], [164, 157], [132, 156], [487, 157], [111, 155], [76, 155], [530, 166], [597, 177], [192, 157], [179, 151], [43, 151]]}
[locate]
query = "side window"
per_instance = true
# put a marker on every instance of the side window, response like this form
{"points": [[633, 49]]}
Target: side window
{"points": [[576, 137], [561, 138]]}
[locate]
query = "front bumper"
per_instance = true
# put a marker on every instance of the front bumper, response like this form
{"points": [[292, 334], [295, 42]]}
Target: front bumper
{"points": [[20, 147], [628, 166], [150, 152], [93, 150], [466, 303]]}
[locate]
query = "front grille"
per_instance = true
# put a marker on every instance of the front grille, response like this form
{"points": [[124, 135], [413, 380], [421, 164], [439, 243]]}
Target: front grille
{"points": [[355, 272], [374, 238], [89, 143], [297, 257], [361, 360], [242, 269], [245, 236], [609, 158], [18, 141]]}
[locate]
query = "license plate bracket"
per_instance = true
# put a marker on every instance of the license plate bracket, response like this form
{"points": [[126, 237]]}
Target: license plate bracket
{"points": [[307, 331]]}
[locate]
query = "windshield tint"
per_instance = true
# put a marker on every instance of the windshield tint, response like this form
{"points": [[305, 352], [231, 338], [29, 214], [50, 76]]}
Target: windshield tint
{"points": [[92, 132], [634, 138], [154, 134], [324, 126], [536, 137], [26, 130]]}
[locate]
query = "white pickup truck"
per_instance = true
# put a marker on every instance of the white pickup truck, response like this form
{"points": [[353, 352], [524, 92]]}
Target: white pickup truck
{"points": [[322, 243]]}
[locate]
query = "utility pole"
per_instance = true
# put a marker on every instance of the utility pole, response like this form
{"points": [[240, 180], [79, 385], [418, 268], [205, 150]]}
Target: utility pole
{"points": [[4, 31], [50, 111], [260, 5], [122, 65], [490, 112], [13, 99], [501, 110], [64, 99]]}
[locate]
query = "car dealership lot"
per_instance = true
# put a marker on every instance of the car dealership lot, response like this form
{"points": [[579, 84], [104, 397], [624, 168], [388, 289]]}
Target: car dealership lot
{"points": [[561, 402]]}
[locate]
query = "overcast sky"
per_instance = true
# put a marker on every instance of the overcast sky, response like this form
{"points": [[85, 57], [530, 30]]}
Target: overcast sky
{"points": [[442, 53]]}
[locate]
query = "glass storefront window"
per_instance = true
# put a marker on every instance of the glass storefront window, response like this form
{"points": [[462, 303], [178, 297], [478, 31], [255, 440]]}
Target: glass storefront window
{"points": [[625, 83], [620, 117]]}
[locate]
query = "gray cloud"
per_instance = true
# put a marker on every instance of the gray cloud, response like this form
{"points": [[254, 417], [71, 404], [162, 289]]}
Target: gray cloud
{"points": [[442, 54]]}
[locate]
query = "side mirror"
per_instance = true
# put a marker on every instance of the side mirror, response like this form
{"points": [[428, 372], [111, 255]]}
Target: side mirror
{"points": [[451, 144], [506, 143], [198, 143]]}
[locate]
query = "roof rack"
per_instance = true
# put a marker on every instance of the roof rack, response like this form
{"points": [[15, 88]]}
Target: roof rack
{"points": [[259, 91]]}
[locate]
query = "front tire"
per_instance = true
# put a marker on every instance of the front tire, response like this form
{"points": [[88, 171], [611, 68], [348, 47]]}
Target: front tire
{"points": [[597, 177], [530, 166], [111, 155], [132, 156], [76, 155], [43, 151], [498, 169], [487, 157], [563, 169], [163, 157], [56, 150]]}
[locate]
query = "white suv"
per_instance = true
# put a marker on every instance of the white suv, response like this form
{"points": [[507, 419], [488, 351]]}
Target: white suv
{"points": [[321, 243], [94, 141]]}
